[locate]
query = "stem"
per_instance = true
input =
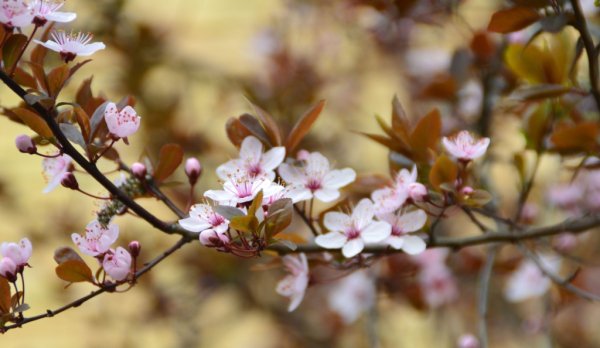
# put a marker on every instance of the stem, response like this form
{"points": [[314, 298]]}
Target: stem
{"points": [[484, 287], [14, 67], [92, 196], [98, 156], [527, 189], [306, 220], [151, 186]]}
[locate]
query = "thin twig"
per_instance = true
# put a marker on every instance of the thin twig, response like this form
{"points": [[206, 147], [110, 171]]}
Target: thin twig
{"points": [[484, 289], [308, 223]]}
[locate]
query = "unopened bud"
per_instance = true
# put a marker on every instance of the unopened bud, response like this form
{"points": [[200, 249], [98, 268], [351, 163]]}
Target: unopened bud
{"points": [[25, 144], [302, 155], [417, 191], [193, 169], [8, 269], [210, 238], [467, 190], [139, 170], [468, 341], [565, 242], [68, 180], [134, 248]]}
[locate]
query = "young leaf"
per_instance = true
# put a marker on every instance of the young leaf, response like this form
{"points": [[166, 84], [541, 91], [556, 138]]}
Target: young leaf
{"points": [[269, 125], [279, 217], [97, 119], [252, 124], [444, 171], [236, 132], [25, 79], [73, 134], [426, 136], [303, 126], [581, 137], [40, 75], [228, 212], [64, 254], [169, 159], [512, 19], [74, 271], [245, 223], [33, 121], [12, 49], [83, 120], [56, 79]]}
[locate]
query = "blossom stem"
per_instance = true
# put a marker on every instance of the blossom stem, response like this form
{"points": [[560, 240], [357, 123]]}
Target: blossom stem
{"points": [[93, 196], [306, 220], [98, 156], [16, 63]]}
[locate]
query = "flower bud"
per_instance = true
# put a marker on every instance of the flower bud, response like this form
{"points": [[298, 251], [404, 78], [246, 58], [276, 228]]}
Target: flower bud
{"points": [[68, 180], [210, 238], [134, 248], [417, 191], [25, 144], [468, 341], [139, 170], [193, 169], [8, 269], [302, 155], [467, 190]]}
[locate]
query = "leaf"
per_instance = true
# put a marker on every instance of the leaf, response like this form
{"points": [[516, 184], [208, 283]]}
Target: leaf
{"points": [[400, 123], [478, 198], [33, 121], [526, 62], [12, 49], [246, 223], [536, 129], [303, 125], [578, 138], [83, 120], [169, 159], [236, 132], [63, 254], [228, 212], [5, 304], [426, 136], [444, 171], [279, 217], [73, 134], [96, 120], [38, 53], [256, 203], [23, 78], [286, 243], [385, 141], [540, 91], [56, 79], [269, 125], [74, 271], [512, 19], [253, 125], [39, 74]]}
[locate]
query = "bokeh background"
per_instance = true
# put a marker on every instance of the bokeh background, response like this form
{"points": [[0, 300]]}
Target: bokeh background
{"points": [[191, 64]]}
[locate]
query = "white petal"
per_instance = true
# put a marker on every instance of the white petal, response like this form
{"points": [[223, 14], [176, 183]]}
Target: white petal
{"points": [[220, 195], [228, 168], [413, 221], [336, 221], [327, 195], [272, 158], [363, 213], [480, 147], [194, 224], [376, 232], [413, 245], [451, 147], [251, 149], [50, 44], [290, 174], [61, 17], [90, 49], [353, 247], [316, 163], [395, 242], [339, 178], [331, 240]]}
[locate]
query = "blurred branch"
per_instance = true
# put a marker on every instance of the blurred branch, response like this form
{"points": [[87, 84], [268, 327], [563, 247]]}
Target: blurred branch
{"points": [[484, 290], [91, 168], [489, 91], [108, 288], [588, 43]]}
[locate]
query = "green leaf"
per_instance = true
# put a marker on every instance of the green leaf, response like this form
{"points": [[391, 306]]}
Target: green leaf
{"points": [[303, 126], [74, 271], [169, 159]]}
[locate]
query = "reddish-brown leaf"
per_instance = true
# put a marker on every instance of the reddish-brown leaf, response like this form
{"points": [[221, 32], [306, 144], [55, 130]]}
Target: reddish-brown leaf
{"points": [[64, 254], [83, 120], [5, 304], [580, 137], [74, 271], [236, 132], [269, 125], [38, 53], [512, 19], [303, 126], [40, 75], [169, 159], [25, 79], [57, 78], [426, 135], [253, 125], [400, 123], [34, 121], [444, 171], [12, 49]]}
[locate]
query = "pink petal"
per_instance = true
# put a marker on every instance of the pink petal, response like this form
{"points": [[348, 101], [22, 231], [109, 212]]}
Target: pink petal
{"points": [[251, 149], [290, 174], [327, 195], [363, 213], [272, 158], [412, 221]]}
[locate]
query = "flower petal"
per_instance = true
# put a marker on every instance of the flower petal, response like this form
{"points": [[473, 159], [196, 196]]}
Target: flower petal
{"points": [[339, 178], [376, 232], [413, 245], [327, 195], [336, 221], [363, 213], [331, 240], [353, 247], [412, 221], [194, 224], [251, 149], [290, 174], [272, 158]]}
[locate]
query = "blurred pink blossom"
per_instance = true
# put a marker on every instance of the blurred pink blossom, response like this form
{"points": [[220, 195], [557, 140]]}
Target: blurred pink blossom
{"points": [[465, 147], [295, 283]]}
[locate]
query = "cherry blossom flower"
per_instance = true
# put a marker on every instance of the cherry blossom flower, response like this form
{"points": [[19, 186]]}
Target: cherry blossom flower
{"points": [[317, 178], [464, 146], [25, 144], [117, 264], [403, 223], [240, 188], [8, 269], [97, 240], [352, 296], [438, 285], [54, 170], [295, 283], [121, 123], [389, 199], [19, 252], [47, 10], [72, 45], [210, 238], [15, 13], [253, 161], [293, 192], [529, 281], [351, 232], [205, 220]]}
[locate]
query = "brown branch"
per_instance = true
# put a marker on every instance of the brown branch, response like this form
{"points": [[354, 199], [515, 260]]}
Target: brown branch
{"points": [[588, 43], [109, 288]]}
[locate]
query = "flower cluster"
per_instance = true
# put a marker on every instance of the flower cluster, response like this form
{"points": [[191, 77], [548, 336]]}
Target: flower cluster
{"points": [[14, 258], [20, 13]]}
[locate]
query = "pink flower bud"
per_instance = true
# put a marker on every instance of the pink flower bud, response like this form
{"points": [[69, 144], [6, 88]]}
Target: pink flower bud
{"points": [[193, 169], [25, 144], [117, 264], [417, 191], [19, 253], [68, 180], [302, 155], [8, 269], [467, 190], [139, 170], [468, 341], [210, 238], [134, 248]]}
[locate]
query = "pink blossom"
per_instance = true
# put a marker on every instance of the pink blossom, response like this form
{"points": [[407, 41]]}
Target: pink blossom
{"points": [[15, 13], [139, 170], [253, 161], [566, 196], [293, 192], [193, 169], [239, 188], [25, 144], [468, 341], [317, 178], [210, 238], [565, 242], [97, 240], [438, 285], [117, 264], [8, 269], [402, 224], [464, 146], [47, 10], [529, 281], [54, 170], [19, 252], [204, 219], [389, 199], [295, 283], [351, 232], [72, 45], [121, 123], [352, 296]]}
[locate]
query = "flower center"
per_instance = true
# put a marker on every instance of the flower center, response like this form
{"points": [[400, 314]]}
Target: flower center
{"points": [[313, 184], [352, 233]]}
